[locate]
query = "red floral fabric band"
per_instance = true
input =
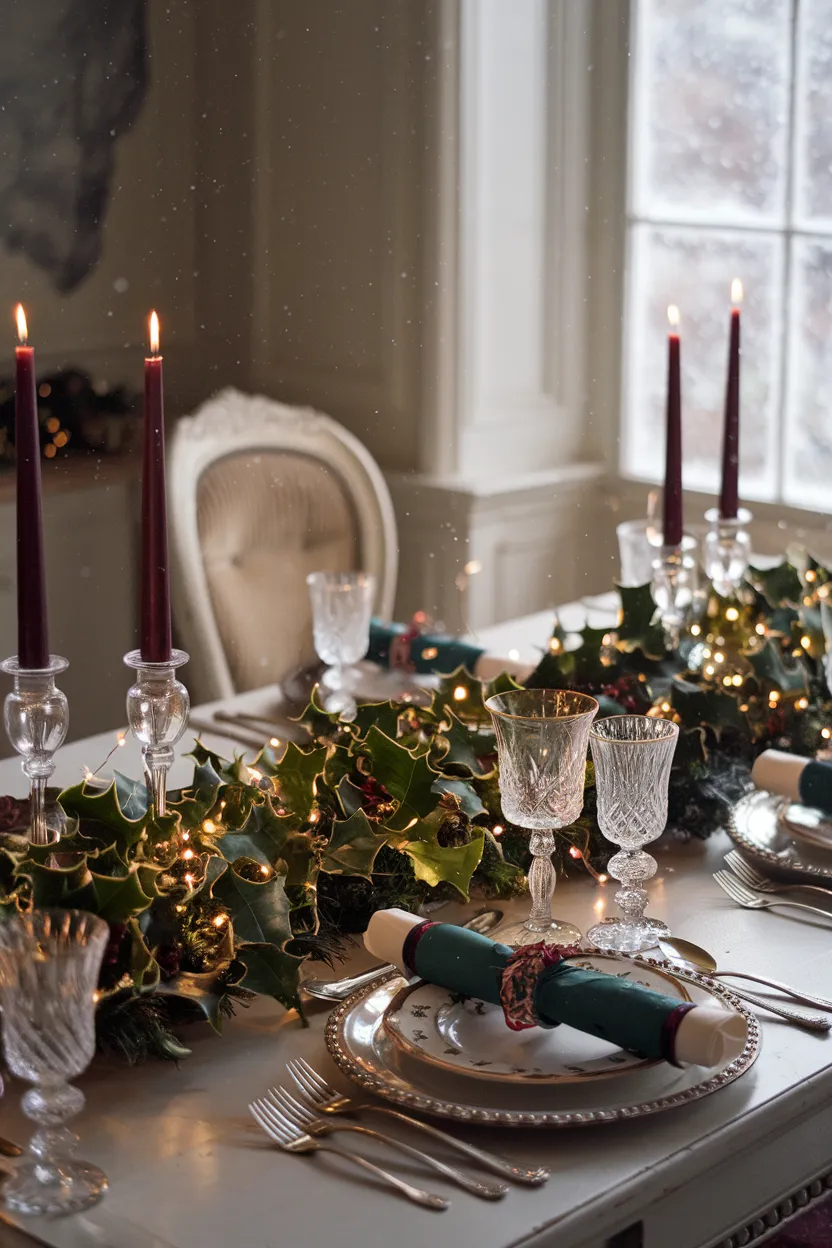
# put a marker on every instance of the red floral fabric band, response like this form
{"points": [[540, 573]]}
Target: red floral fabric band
{"points": [[520, 977]]}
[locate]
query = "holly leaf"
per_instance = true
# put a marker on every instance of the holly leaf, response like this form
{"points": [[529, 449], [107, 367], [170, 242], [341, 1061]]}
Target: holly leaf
{"points": [[132, 796], [705, 704], [408, 777], [144, 969], [780, 586], [770, 669], [460, 692], [462, 747], [270, 838], [437, 864], [588, 667], [205, 991], [105, 808], [259, 911], [296, 774], [636, 628], [349, 796], [271, 972], [320, 724], [469, 800], [553, 671], [119, 897], [352, 847], [54, 886], [384, 715], [503, 683]]}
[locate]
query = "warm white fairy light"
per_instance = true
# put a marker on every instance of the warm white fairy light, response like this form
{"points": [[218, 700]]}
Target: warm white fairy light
{"points": [[460, 693], [209, 827], [220, 920], [710, 669], [498, 829], [810, 575], [802, 704], [189, 880], [736, 680], [826, 733], [695, 630], [806, 642], [274, 742], [760, 629], [555, 645], [719, 657], [732, 613], [265, 870], [187, 854], [514, 655], [186, 836]]}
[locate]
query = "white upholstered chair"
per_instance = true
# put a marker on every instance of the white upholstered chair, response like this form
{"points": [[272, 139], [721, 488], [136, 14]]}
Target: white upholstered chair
{"points": [[259, 495]]}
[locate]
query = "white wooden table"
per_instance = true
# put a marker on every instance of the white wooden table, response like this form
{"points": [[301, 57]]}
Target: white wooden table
{"points": [[188, 1169]]}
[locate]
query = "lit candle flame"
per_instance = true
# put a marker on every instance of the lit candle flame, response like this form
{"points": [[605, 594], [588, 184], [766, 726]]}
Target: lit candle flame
{"points": [[736, 292], [22, 330], [154, 334], [673, 316]]}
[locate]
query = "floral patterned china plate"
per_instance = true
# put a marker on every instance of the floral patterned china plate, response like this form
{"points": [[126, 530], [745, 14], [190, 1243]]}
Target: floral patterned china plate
{"points": [[459, 1034], [362, 1048]]}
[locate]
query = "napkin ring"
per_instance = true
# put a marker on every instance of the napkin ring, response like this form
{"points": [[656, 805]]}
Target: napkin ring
{"points": [[520, 977]]}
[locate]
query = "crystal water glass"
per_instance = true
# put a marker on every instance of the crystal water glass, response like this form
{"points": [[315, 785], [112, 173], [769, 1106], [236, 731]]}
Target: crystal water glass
{"points": [[342, 605], [632, 755], [542, 746], [49, 965]]}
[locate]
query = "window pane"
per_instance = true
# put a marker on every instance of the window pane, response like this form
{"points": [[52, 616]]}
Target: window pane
{"points": [[813, 147], [808, 434], [711, 94], [693, 268]]}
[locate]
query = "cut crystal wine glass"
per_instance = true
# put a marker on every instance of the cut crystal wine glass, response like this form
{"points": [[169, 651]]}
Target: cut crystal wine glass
{"points": [[342, 605], [541, 744], [632, 755], [49, 964]]}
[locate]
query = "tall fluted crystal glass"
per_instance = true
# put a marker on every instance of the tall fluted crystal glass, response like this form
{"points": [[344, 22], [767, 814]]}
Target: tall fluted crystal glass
{"points": [[342, 605], [542, 746], [632, 755], [49, 964]]}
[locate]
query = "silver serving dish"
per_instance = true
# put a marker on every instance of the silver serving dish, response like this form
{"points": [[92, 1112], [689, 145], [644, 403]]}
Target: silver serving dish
{"points": [[766, 828], [362, 1049]]}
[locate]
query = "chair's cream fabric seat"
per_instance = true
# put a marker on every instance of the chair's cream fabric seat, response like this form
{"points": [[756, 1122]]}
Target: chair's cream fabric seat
{"points": [[266, 519]]}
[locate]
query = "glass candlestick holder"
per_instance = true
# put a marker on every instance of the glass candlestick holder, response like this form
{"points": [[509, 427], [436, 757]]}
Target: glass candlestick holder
{"points": [[675, 581], [157, 712], [36, 715], [727, 550]]}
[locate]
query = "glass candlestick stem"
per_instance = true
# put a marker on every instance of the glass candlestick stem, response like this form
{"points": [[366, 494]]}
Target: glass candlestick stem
{"points": [[36, 715], [674, 586], [157, 712], [727, 550]]}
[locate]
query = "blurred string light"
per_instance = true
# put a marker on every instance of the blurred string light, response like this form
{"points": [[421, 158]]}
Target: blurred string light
{"points": [[600, 876], [121, 739]]}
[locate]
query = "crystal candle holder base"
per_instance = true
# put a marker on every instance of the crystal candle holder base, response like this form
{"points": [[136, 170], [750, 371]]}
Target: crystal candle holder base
{"points": [[727, 550], [674, 585], [36, 715], [157, 712]]}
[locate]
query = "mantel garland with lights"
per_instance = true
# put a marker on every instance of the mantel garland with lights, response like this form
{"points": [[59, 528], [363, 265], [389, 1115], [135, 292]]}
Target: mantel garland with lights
{"points": [[257, 867]]}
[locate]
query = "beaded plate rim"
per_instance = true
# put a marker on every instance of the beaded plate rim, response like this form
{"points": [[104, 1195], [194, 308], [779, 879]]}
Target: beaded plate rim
{"points": [[441, 1108], [787, 870]]}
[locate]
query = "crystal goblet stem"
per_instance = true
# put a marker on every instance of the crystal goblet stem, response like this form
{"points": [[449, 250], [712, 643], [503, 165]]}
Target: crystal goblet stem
{"points": [[49, 965], [157, 712], [541, 743], [342, 604], [36, 715]]}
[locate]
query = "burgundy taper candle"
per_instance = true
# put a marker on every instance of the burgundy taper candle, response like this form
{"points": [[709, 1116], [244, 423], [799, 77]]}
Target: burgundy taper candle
{"points": [[155, 632], [32, 626], [672, 500], [729, 495]]}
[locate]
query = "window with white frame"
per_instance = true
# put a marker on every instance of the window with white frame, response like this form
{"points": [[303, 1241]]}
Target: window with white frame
{"points": [[730, 175]]}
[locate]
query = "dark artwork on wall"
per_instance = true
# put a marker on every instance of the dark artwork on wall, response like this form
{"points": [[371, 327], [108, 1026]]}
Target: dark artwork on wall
{"points": [[73, 75]]}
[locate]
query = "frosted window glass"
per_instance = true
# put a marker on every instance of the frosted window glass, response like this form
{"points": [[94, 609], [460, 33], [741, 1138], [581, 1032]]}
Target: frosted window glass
{"points": [[711, 93], [693, 268], [813, 147], [808, 432]]}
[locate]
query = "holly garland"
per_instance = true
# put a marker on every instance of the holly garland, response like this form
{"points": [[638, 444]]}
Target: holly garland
{"points": [[258, 867], [748, 675]]}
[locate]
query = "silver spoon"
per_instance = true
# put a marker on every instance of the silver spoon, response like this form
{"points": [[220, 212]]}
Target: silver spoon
{"points": [[694, 958], [340, 989]]}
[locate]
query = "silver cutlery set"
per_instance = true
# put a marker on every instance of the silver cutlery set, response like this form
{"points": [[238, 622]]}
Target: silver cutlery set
{"points": [[300, 1120]]}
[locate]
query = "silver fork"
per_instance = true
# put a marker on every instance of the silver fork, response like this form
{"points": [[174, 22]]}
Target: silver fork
{"points": [[754, 879], [306, 1119], [326, 1099], [745, 896], [288, 1137]]}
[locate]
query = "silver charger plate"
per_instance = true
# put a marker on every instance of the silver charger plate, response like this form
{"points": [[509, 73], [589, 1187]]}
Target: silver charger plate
{"points": [[362, 1050], [465, 1036], [763, 826]]}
